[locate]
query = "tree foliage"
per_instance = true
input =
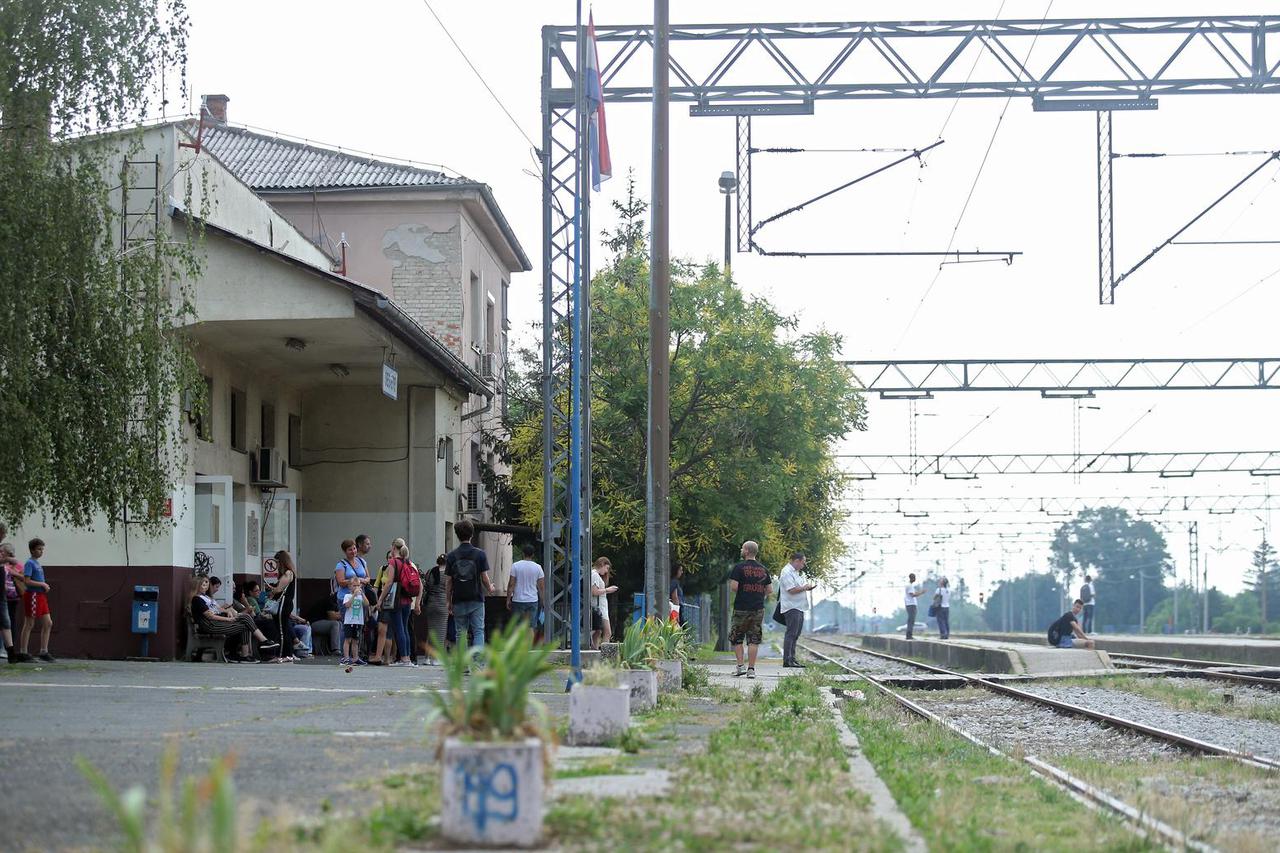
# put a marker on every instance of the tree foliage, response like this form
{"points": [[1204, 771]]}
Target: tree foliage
{"points": [[1028, 603], [755, 409], [1127, 558], [91, 364]]}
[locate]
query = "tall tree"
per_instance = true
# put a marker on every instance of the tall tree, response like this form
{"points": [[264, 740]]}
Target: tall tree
{"points": [[1264, 580], [1127, 557], [91, 362], [755, 409]]}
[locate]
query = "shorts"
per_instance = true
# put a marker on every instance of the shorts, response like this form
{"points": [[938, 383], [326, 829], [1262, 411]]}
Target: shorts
{"points": [[35, 604], [746, 627], [384, 616], [352, 632], [528, 611], [1066, 643]]}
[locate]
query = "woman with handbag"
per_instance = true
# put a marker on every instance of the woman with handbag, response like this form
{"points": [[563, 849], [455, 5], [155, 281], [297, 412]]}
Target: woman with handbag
{"points": [[281, 601], [385, 585]]}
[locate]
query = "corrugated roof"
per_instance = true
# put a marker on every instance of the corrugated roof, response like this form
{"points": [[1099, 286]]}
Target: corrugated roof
{"points": [[273, 163]]}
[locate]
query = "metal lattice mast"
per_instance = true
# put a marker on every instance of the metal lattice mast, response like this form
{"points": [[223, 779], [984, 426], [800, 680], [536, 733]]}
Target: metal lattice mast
{"points": [[1106, 208], [561, 166]]}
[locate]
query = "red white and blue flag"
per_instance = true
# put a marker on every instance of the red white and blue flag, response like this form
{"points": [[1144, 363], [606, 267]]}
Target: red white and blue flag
{"points": [[597, 136]]}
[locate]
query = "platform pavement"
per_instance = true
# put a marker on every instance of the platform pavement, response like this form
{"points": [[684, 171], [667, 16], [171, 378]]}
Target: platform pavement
{"points": [[1257, 651], [970, 654]]}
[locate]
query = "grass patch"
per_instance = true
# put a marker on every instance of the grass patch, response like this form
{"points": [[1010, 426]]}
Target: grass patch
{"points": [[721, 797], [1193, 795], [961, 797], [1185, 695]]}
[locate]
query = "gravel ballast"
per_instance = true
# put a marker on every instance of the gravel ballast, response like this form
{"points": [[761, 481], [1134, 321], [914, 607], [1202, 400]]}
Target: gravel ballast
{"points": [[1255, 737], [1009, 723]]}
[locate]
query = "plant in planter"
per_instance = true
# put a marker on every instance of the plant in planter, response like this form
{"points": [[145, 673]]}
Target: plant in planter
{"points": [[669, 648], [633, 655], [494, 741], [599, 706]]}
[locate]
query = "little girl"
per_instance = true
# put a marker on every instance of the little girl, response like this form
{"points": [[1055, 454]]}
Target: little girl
{"points": [[353, 604]]}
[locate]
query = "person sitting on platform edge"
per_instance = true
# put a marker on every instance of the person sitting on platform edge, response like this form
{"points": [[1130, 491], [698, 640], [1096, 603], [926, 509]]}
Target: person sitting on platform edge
{"points": [[1061, 631]]}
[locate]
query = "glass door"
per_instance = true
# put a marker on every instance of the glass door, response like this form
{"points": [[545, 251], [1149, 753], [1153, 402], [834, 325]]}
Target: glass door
{"points": [[213, 531], [279, 531]]}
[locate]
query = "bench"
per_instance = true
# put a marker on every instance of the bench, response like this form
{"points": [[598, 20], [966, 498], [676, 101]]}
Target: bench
{"points": [[198, 643]]}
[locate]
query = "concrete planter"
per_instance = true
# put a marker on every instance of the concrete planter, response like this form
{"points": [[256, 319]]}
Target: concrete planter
{"points": [[644, 688], [670, 675], [598, 714], [492, 793]]}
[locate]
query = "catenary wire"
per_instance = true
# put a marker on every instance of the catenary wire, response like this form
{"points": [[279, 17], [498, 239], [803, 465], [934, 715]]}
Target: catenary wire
{"points": [[972, 188]]}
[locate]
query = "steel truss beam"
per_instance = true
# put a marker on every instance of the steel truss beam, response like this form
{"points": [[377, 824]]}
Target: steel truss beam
{"points": [[1063, 507], [1064, 377], [754, 63], [969, 466], [721, 64]]}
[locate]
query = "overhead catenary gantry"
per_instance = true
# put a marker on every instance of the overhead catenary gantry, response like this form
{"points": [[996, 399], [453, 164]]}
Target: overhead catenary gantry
{"points": [[969, 466], [714, 69], [1061, 507], [1063, 378]]}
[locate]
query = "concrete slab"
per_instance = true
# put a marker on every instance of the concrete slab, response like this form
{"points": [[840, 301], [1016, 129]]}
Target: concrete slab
{"points": [[1229, 649], [645, 783], [864, 777], [976, 655]]}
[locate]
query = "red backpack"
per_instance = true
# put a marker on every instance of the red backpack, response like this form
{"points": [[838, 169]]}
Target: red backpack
{"points": [[409, 579]]}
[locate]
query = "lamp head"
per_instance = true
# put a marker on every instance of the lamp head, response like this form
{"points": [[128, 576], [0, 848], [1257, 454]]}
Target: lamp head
{"points": [[728, 182]]}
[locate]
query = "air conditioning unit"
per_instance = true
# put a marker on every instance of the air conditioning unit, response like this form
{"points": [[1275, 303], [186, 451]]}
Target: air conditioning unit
{"points": [[271, 468], [489, 365], [475, 499]]}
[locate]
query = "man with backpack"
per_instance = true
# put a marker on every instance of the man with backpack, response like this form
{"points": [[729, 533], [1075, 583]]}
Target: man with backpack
{"points": [[466, 583], [1087, 596]]}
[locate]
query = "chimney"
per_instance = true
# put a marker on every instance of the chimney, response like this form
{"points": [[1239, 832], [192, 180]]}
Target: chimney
{"points": [[214, 108]]}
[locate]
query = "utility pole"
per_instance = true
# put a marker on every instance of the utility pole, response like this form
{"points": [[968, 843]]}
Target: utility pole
{"points": [[657, 559]]}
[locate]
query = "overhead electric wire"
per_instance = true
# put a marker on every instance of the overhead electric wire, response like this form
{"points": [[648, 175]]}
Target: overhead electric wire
{"points": [[974, 186], [483, 82]]}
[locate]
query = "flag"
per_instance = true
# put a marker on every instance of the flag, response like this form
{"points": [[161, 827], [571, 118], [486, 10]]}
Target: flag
{"points": [[597, 136]]}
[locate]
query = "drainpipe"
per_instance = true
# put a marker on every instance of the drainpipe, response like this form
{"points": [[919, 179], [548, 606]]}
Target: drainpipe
{"points": [[488, 406]]}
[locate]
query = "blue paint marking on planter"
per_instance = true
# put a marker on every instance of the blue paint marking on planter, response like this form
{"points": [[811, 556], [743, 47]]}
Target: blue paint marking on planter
{"points": [[491, 795]]}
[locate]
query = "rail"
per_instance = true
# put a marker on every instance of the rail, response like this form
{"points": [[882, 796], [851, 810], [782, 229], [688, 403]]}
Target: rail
{"points": [[1075, 787], [1185, 741]]}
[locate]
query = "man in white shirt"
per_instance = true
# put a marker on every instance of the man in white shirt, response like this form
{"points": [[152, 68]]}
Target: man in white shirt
{"points": [[792, 599], [525, 588], [1089, 596], [913, 591]]}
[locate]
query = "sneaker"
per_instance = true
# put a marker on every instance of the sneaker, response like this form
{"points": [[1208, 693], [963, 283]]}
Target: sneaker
{"points": [[19, 657], [48, 658], [741, 670], [397, 663], [797, 665], [361, 662], [269, 645], [751, 672], [344, 661]]}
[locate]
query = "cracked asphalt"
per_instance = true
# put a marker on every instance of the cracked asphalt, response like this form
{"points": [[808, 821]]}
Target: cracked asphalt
{"points": [[280, 721]]}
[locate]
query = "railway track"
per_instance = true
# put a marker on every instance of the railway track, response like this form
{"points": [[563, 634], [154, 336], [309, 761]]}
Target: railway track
{"points": [[1198, 669], [1184, 741], [1082, 791]]}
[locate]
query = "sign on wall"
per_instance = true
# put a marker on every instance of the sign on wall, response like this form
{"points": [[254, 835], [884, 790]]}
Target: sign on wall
{"points": [[390, 381]]}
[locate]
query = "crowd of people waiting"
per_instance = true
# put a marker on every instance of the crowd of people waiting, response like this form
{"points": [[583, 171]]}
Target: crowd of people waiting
{"points": [[399, 615]]}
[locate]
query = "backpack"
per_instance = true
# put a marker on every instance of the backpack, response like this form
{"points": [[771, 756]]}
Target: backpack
{"points": [[1086, 593], [464, 570], [409, 579]]}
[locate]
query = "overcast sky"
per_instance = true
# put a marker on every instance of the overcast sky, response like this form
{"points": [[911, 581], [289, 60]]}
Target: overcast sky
{"points": [[384, 78]]}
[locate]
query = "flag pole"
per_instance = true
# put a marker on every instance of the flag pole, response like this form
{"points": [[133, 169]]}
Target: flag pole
{"points": [[575, 370]]}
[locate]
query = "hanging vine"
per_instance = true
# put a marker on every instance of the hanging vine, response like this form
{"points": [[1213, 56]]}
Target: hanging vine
{"points": [[93, 304]]}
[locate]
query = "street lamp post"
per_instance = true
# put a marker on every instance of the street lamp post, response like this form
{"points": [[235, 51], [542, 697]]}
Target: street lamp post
{"points": [[728, 184]]}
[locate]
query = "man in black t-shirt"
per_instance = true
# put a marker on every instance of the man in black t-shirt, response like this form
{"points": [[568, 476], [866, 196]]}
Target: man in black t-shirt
{"points": [[467, 582], [1066, 633], [750, 582]]}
